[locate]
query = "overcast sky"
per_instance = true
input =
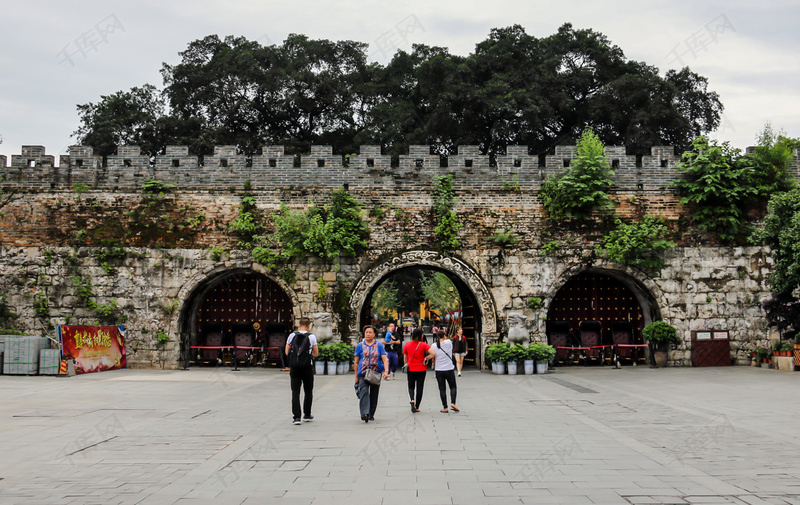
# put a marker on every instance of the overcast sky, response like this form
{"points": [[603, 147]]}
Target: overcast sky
{"points": [[56, 54]]}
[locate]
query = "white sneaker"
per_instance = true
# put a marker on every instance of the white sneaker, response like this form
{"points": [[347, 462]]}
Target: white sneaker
{"points": [[459, 374]]}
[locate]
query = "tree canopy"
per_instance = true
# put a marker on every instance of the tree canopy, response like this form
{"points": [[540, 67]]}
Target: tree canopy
{"points": [[513, 89]]}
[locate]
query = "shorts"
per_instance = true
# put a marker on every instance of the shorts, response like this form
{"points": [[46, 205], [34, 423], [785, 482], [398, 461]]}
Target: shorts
{"points": [[460, 353]]}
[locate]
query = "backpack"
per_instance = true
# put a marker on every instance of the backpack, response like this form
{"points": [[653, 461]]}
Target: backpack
{"points": [[300, 351]]}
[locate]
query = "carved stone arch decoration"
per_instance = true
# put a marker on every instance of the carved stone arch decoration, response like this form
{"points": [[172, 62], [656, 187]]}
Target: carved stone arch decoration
{"points": [[455, 266]]}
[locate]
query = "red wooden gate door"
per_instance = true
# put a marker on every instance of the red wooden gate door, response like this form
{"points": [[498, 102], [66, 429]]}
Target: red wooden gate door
{"points": [[592, 296]]}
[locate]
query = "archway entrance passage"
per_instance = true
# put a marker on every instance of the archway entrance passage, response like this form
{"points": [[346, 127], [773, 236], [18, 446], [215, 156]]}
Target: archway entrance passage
{"points": [[479, 318], [598, 302], [243, 308], [465, 306]]}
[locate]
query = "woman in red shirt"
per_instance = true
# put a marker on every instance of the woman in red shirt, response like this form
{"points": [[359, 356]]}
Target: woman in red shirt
{"points": [[416, 354]]}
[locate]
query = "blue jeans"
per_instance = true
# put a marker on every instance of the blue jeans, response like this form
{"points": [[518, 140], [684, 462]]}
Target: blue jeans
{"points": [[392, 361]]}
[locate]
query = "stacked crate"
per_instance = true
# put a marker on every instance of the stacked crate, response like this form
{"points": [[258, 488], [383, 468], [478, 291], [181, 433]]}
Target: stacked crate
{"points": [[49, 361], [21, 354]]}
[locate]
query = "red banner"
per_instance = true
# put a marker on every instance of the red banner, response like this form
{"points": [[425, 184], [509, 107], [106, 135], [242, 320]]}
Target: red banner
{"points": [[94, 348]]}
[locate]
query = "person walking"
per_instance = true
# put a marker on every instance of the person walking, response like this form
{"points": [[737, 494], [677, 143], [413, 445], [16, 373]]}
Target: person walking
{"points": [[459, 348], [301, 348], [370, 354], [416, 355], [445, 365], [392, 345]]}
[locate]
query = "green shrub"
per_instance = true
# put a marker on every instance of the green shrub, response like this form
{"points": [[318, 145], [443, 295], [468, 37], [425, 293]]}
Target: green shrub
{"points": [[637, 244], [660, 334]]}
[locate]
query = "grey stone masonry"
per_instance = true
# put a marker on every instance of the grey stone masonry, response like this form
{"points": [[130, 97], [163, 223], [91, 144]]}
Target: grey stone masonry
{"points": [[322, 168]]}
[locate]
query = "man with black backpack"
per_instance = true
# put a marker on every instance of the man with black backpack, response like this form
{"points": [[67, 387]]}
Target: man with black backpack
{"points": [[301, 348]]}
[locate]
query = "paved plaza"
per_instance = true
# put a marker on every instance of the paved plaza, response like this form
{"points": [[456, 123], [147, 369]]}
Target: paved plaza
{"points": [[578, 436]]}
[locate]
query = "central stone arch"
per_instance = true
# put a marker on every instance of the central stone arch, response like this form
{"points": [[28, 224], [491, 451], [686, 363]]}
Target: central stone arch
{"points": [[468, 277]]}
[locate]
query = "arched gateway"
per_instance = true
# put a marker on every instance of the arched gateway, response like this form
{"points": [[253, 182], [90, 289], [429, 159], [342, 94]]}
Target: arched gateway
{"points": [[226, 296], [480, 316]]}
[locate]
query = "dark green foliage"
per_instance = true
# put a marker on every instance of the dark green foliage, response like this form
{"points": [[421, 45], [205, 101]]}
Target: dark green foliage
{"points": [[513, 89], [770, 161], [637, 244], [328, 232], [715, 186], [247, 224], [781, 232], [504, 238], [660, 334], [447, 224], [132, 117], [582, 189]]}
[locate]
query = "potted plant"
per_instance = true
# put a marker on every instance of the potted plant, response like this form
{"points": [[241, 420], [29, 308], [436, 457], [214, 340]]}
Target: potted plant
{"points": [[344, 354], [764, 356], [491, 356], [777, 348], [543, 354], [322, 357], [499, 355], [516, 354], [530, 357], [319, 361], [660, 334]]}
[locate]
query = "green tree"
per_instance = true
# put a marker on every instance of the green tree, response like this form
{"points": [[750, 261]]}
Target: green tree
{"points": [[440, 292], [780, 232], [582, 188], [134, 117], [715, 186], [513, 89], [385, 298], [771, 160]]}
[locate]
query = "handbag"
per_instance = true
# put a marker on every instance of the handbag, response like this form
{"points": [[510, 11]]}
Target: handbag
{"points": [[373, 377]]}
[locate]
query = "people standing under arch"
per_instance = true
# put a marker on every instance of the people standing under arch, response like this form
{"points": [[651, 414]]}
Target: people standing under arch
{"points": [[416, 355], [370, 354], [459, 348], [445, 365]]}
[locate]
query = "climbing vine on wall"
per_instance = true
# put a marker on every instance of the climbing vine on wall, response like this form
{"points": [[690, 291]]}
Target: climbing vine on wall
{"points": [[447, 224]]}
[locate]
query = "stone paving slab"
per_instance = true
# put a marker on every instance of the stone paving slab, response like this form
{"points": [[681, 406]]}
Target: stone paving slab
{"points": [[577, 436]]}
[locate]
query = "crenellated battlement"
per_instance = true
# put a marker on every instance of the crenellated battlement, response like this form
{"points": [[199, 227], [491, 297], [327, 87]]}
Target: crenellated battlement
{"points": [[129, 168]]}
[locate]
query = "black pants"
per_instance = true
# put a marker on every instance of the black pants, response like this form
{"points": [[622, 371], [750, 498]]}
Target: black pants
{"points": [[304, 377], [416, 382], [448, 376]]}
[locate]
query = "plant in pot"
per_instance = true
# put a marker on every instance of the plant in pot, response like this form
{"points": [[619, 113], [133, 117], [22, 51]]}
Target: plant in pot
{"points": [[764, 356], [543, 354], [330, 359], [660, 334], [516, 354], [777, 348], [344, 355], [323, 356], [530, 359], [500, 355], [491, 356]]}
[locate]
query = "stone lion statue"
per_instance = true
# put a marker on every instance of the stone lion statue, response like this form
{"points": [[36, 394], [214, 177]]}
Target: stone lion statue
{"points": [[322, 326], [517, 332]]}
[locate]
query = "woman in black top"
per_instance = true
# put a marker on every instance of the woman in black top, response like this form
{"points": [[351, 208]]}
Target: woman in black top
{"points": [[459, 348]]}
